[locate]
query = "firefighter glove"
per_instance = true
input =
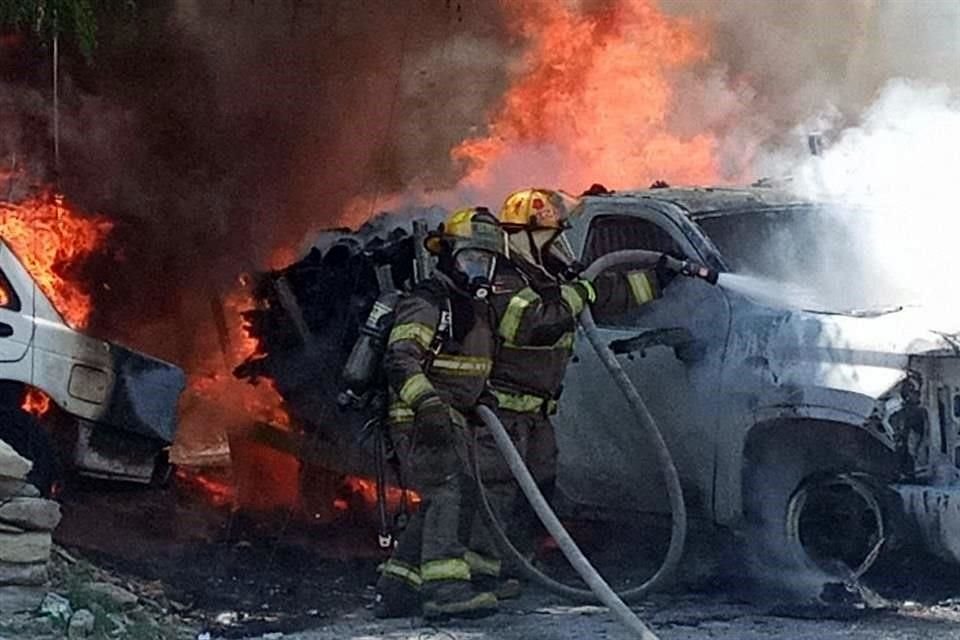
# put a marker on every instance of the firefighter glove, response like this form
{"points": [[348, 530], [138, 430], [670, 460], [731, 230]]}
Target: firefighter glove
{"points": [[665, 270], [433, 422]]}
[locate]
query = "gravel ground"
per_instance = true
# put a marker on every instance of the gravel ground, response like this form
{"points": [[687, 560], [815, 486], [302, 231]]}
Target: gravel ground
{"points": [[277, 579], [671, 618]]}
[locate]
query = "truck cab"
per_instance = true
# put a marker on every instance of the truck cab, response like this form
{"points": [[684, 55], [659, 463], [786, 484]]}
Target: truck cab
{"points": [[824, 434]]}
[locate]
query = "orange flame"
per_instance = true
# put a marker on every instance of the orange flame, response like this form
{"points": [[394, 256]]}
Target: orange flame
{"points": [[35, 402], [50, 237], [367, 490], [260, 402], [218, 492], [592, 100], [216, 404]]}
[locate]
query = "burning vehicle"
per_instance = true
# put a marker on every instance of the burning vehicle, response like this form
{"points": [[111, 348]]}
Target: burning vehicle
{"points": [[112, 411], [823, 435]]}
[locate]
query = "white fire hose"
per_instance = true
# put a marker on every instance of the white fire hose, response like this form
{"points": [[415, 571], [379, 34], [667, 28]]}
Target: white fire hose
{"points": [[599, 589]]}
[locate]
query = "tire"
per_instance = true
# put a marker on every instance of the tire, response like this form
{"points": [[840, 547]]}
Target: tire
{"points": [[836, 522], [813, 504]]}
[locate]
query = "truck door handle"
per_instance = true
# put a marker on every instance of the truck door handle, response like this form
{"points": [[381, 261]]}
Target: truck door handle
{"points": [[685, 347], [6, 330]]}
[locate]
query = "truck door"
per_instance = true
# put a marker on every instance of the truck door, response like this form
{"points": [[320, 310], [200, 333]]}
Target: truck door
{"points": [[16, 317], [604, 459]]}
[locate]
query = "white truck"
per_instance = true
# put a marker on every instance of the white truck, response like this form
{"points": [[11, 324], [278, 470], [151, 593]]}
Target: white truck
{"points": [[116, 409]]}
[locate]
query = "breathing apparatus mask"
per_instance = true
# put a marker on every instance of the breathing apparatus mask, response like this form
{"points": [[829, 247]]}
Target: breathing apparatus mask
{"points": [[474, 268], [468, 245], [547, 249], [535, 221]]}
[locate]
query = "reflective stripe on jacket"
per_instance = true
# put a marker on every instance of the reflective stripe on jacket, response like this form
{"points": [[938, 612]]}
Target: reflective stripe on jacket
{"points": [[458, 372], [536, 322]]}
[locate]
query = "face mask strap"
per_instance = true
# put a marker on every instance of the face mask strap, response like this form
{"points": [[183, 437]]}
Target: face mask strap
{"points": [[534, 248]]}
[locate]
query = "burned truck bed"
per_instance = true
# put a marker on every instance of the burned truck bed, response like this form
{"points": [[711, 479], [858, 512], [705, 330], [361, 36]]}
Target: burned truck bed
{"points": [[305, 322]]}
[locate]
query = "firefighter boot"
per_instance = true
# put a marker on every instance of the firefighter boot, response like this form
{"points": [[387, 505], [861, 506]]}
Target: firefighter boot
{"points": [[485, 574], [456, 599], [395, 597]]}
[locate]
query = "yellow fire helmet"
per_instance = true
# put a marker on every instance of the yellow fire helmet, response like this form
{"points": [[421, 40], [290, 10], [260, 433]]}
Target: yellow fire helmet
{"points": [[537, 209], [470, 228]]}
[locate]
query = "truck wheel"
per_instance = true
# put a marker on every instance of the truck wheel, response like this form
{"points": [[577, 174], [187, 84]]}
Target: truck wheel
{"points": [[836, 522], [815, 505]]}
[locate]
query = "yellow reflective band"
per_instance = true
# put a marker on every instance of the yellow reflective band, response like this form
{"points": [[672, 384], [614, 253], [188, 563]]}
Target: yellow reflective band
{"points": [[482, 566], [510, 322], [641, 286], [519, 402], [448, 569], [573, 299], [400, 412], [419, 333], [462, 365], [402, 571], [565, 341], [591, 291], [415, 388]]}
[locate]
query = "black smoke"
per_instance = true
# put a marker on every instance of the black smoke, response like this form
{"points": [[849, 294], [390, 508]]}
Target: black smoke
{"points": [[215, 132]]}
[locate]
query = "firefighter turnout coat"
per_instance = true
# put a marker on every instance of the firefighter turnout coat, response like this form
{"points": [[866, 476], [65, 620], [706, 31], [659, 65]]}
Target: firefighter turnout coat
{"points": [[441, 347]]}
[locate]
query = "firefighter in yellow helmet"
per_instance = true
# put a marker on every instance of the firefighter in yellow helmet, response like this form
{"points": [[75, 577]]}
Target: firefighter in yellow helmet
{"points": [[437, 361], [535, 220], [537, 297]]}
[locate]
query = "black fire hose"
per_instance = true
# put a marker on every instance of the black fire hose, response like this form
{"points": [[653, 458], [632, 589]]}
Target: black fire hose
{"points": [[599, 590]]}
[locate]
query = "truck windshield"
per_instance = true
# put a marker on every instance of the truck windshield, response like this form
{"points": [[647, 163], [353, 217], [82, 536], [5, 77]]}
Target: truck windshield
{"points": [[805, 246]]}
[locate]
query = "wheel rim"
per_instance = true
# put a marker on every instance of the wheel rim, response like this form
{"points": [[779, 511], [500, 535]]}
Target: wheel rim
{"points": [[836, 523]]}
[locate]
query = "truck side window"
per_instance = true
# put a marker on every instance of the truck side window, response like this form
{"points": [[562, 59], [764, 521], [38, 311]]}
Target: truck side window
{"points": [[617, 233], [8, 297]]}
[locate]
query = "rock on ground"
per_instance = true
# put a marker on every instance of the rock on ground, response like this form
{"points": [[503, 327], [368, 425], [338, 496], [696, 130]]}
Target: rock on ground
{"points": [[12, 464], [116, 594], [25, 548], [9, 528], [17, 487], [17, 599], [34, 573], [31, 513], [81, 624]]}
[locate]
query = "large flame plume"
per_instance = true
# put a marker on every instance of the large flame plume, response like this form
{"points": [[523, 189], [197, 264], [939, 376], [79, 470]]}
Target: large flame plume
{"points": [[51, 237], [591, 100], [215, 403]]}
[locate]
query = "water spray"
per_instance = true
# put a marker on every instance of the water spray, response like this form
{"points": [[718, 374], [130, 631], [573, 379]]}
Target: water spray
{"points": [[768, 291]]}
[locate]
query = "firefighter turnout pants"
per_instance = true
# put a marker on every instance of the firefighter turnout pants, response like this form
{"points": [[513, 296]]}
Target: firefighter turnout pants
{"points": [[430, 551], [533, 435]]}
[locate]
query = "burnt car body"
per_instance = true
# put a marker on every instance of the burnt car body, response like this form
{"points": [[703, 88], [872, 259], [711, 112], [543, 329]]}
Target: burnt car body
{"points": [[826, 436], [117, 407]]}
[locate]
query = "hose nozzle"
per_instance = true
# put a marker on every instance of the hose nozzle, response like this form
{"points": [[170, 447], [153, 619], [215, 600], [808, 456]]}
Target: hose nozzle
{"points": [[688, 268], [694, 270]]}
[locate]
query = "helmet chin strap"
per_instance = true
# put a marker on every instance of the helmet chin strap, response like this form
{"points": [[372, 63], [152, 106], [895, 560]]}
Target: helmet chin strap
{"points": [[524, 249]]}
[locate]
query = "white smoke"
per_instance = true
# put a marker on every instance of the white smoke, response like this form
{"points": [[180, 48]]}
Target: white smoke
{"points": [[893, 183]]}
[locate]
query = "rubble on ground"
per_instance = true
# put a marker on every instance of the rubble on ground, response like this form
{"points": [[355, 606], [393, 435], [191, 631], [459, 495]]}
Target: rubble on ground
{"points": [[80, 600], [26, 524], [45, 592]]}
